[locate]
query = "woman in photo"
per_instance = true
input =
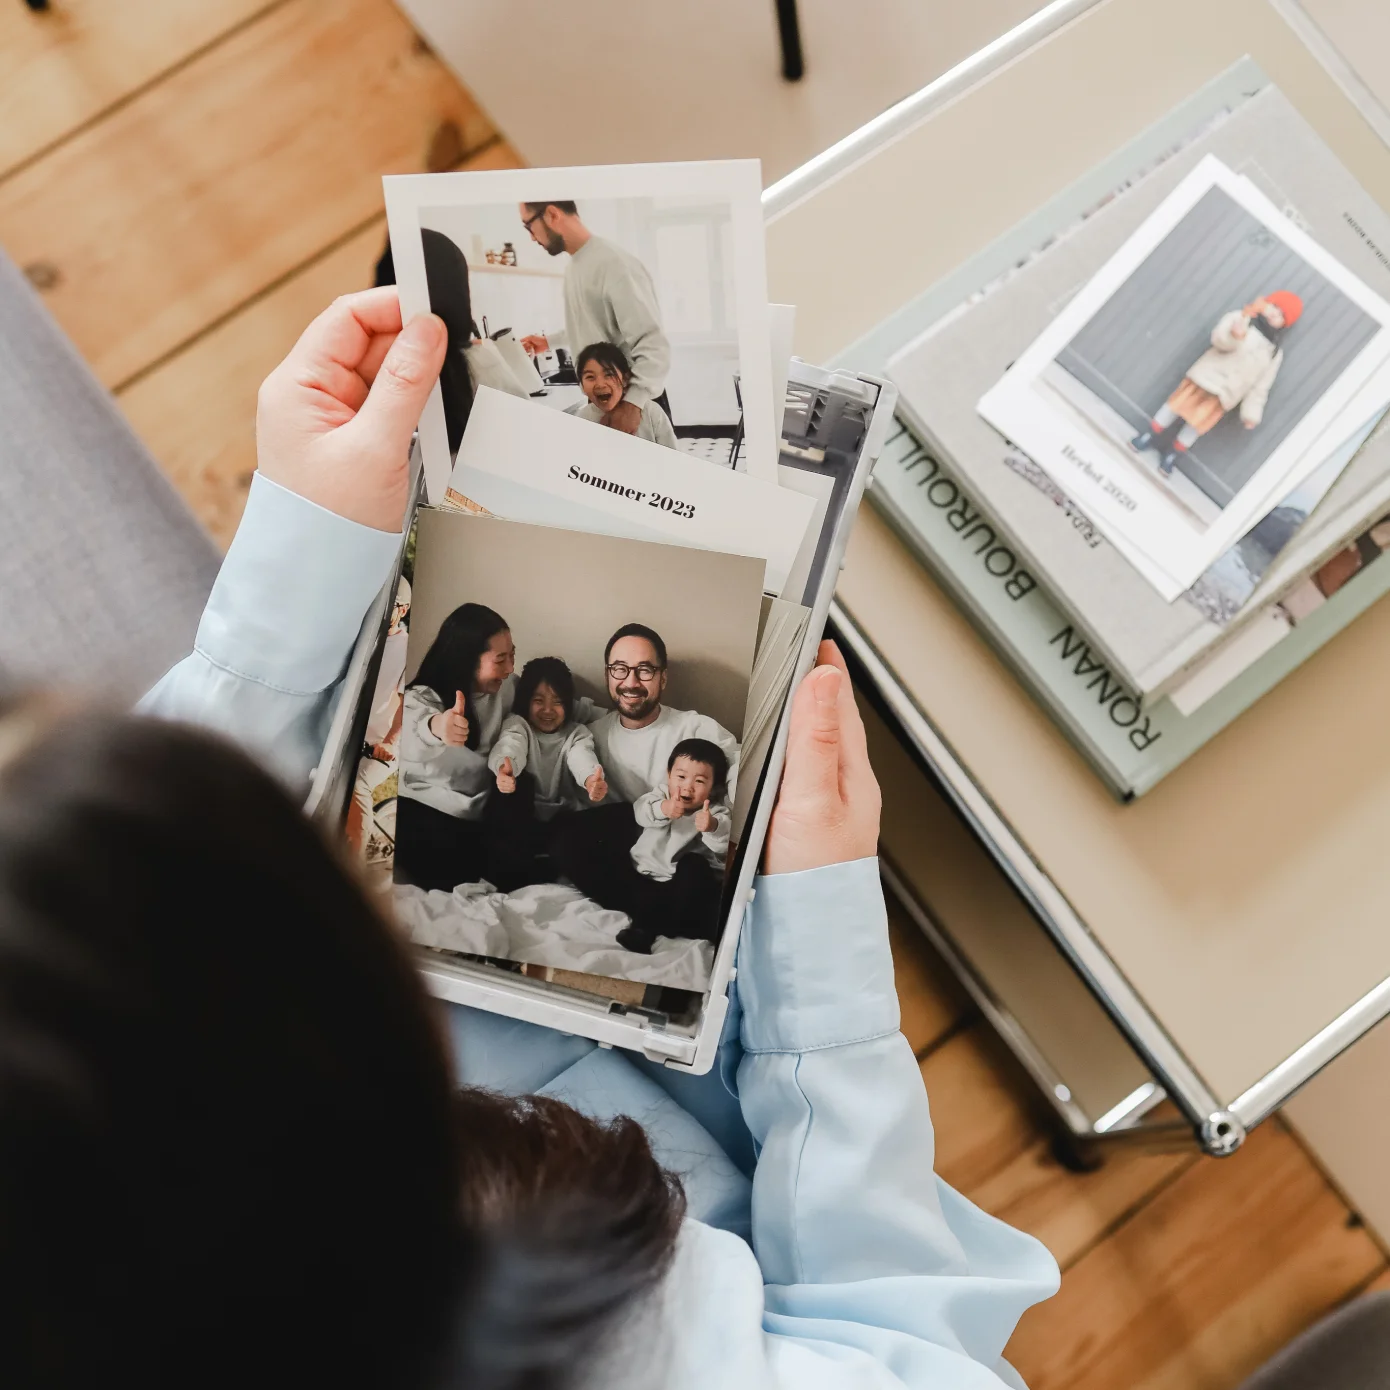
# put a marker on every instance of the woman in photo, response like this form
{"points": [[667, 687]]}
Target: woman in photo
{"points": [[544, 764], [471, 361], [1237, 370], [604, 375], [453, 712], [241, 1147]]}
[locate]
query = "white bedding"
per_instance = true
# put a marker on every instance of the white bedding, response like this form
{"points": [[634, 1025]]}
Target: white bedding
{"points": [[546, 924]]}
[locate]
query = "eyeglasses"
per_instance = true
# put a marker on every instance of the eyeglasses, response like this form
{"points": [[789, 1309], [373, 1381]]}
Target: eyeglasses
{"points": [[534, 217], [644, 672]]}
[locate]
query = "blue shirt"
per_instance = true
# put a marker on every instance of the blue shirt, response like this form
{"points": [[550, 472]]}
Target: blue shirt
{"points": [[820, 1250]]}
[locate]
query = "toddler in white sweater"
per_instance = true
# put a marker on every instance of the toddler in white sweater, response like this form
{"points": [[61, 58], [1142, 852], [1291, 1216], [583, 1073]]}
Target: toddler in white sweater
{"points": [[543, 762], [680, 853]]}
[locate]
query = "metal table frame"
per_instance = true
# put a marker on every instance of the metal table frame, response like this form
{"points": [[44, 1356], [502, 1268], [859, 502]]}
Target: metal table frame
{"points": [[1219, 1124]]}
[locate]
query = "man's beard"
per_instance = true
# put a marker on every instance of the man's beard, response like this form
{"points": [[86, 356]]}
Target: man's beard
{"points": [[554, 242], [640, 711]]}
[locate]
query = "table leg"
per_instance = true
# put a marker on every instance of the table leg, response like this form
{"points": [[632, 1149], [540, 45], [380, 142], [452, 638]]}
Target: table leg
{"points": [[789, 30]]}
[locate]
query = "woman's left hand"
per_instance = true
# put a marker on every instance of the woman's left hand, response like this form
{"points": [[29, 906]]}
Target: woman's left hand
{"points": [[829, 803], [334, 419]]}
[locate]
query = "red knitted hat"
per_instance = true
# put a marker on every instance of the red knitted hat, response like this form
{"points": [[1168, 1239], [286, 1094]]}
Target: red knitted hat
{"points": [[1288, 304]]}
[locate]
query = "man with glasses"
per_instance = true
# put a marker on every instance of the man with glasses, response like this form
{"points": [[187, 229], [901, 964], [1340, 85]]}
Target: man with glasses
{"points": [[609, 298], [633, 741]]}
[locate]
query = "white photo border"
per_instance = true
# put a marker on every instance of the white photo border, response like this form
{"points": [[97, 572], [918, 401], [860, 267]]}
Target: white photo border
{"points": [[1176, 550], [735, 181]]}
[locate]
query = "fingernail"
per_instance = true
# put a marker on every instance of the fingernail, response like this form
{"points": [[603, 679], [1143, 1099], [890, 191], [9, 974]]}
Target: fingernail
{"points": [[827, 687], [425, 331]]}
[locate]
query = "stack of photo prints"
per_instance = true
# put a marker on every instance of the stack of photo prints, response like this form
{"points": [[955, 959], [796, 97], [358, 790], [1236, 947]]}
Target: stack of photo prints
{"points": [[1141, 438], [631, 488]]}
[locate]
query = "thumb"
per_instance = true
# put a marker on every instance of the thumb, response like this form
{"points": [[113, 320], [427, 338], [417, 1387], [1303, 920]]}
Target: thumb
{"points": [[507, 766], [402, 386], [813, 745], [707, 804], [461, 703]]}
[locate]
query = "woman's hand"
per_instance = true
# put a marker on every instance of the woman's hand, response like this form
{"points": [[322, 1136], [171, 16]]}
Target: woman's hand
{"points": [[828, 807], [334, 419], [450, 726]]}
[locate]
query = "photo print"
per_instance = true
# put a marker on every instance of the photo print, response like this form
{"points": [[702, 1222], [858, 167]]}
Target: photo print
{"points": [[632, 296], [1183, 390], [570, 738]]}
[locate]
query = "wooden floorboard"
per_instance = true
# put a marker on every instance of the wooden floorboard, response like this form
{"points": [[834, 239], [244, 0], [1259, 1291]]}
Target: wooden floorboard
{"points": [[189, 200], [1205, 1282], [210, 452], [193, 183], [65, 67]]}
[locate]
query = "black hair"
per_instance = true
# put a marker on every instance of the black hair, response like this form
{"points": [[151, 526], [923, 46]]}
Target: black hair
{"points": [[446, 275], [609, 356], [564, 206], [702, 750], [544, 670], [451, 664], [637, 630], [228, 1137], [578, 1223]]}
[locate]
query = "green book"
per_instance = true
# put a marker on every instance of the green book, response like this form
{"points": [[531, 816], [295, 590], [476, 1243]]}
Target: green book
{"points": [[930, 507], [1131, 747]]}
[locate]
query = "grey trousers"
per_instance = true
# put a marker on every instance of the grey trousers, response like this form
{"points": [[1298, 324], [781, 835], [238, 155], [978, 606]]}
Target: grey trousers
{"points": [[103, 570], [1347, 1350]]}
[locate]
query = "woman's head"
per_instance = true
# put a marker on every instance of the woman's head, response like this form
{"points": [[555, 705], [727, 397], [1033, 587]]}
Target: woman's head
{"points": [[545, 694], [227, 1130], [604, 374], [472, 652]]}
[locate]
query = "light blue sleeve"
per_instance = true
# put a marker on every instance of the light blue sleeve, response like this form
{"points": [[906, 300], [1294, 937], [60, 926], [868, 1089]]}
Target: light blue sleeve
{"points": [[864, 1251], [278, 629]]}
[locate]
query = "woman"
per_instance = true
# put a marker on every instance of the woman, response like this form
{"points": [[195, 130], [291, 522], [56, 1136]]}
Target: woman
{"points": [[470, 362], [219, 1249], [454, 710]]}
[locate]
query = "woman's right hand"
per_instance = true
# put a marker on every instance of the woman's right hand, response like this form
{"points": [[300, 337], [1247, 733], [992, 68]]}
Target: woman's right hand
{"points": [[334, 419], [829, 804], [450, 726]]}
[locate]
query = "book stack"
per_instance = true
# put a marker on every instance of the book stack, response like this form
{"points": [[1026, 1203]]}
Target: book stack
{"points": [[1141, 439]]}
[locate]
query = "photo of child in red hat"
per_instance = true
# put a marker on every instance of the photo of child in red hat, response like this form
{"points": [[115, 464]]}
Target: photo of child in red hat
{"points": [[1237, 371]]}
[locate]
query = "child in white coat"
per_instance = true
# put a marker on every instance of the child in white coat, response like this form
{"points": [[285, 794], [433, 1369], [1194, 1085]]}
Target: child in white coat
{"points": [[1237, 370], [543, 763], [679, 856]]}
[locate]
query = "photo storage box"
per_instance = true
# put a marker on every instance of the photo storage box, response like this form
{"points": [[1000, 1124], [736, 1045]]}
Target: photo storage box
{"points": [[834, 426]]}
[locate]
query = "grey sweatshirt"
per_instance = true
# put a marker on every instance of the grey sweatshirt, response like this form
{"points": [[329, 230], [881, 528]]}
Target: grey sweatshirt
{"points": [[655, 426], [634, 760], [610, 298], [663, 840], [453, 780], [560, 762]]}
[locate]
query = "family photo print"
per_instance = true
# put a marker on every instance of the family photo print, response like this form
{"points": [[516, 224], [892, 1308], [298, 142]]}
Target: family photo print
{"points": [[1182, 392], [634, 297], [569, 750]]}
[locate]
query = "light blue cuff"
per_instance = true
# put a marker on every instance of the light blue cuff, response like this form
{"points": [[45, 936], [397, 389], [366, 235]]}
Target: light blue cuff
{"points": [[814, 968], [292, 592]]}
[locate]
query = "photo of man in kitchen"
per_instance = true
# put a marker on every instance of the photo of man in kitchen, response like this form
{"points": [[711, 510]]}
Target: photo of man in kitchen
{"points": [[619, 310]]}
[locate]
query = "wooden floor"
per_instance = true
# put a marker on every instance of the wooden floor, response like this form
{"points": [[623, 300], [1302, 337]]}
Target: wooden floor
{"points": [[188, 184]]}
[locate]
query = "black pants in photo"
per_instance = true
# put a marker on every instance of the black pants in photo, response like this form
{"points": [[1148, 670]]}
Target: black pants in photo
{"points": [[434, 849], [685, 905], [517, 843], [593, 850]]}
